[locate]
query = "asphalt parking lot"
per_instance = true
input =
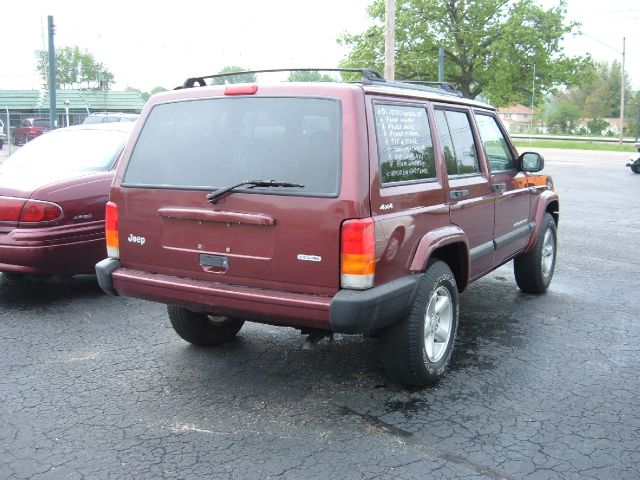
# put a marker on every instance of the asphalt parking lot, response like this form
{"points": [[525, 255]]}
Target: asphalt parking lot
{"points": [[540, 387]]}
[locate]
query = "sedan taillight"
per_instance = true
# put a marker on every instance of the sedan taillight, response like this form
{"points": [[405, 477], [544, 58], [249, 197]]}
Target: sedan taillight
{"points": [[10, 208], [36, 211], [28, 211]]}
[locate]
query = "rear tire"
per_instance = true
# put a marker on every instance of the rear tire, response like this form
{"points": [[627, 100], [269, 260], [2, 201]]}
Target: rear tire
{"points": [[417, 349], [534, 270], [203, 329]]}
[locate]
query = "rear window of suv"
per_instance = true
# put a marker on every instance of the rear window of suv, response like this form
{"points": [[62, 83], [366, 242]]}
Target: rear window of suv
{"points": [[213, 143]]}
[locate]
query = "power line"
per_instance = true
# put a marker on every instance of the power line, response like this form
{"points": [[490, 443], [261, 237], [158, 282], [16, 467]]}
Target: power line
{"points": [[602, 43]]}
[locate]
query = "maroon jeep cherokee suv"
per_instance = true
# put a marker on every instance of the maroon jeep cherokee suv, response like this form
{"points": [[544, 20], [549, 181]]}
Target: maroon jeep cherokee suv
{"points": [[329, 207]]}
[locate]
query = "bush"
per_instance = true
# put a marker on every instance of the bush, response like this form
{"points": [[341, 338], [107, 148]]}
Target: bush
{"points": [[597, 125]]}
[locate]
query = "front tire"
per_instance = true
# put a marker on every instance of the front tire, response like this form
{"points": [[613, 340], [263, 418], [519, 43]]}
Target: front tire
{"points": [[635, 168], [418, 349], [203, 329], [534, 270]]}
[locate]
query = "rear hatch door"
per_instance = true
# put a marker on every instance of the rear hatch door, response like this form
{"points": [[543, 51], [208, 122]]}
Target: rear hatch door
{"points": [[280, 237]]}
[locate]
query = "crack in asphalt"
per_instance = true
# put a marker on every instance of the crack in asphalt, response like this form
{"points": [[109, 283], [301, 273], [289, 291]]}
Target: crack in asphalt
{"points": [[412, 440]]}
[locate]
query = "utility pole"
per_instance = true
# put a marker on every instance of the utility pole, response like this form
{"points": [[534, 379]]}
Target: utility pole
{"points": [[390, 39], [52, 75], [622, 93], [441, 65], [533, 96]]}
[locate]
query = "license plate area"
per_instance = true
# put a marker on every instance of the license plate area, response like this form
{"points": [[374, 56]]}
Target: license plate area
{"points": [[216, 263]]}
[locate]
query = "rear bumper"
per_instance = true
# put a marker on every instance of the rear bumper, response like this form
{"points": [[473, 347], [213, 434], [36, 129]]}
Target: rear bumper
{"points": [[346, 312], [52, 250]]}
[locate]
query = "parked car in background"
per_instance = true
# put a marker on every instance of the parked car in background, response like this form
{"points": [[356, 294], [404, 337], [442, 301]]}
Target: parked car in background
{"points": [[53, 193], [110, 117], [29, 129], [3, 134]]}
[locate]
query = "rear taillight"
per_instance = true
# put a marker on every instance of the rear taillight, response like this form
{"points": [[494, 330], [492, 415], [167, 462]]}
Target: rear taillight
{"points": [[35, 211], [28, 211], [358, 254], [111, 230], [10, 208]]}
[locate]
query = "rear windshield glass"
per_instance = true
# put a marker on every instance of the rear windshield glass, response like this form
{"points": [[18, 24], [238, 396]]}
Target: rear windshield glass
{"points": [[213, 143], [90, 120]]}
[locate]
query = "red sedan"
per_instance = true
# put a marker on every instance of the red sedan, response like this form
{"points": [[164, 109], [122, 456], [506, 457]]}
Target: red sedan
{"points": [[53, 193]]}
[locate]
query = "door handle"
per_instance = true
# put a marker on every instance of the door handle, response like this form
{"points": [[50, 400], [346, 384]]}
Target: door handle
{"points": [[458, 194], [499, 187]]}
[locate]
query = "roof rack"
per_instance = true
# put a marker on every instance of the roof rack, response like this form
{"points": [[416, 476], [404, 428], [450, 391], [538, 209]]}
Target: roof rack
{"points": [[369, 77], [446, 86]]}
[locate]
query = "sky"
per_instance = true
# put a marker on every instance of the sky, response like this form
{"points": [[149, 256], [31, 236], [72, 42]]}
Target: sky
{"points": [[150, 44]]}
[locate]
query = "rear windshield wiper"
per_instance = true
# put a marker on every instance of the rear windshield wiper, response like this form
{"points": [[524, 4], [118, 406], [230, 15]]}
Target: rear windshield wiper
{"points": [[214, 196]]}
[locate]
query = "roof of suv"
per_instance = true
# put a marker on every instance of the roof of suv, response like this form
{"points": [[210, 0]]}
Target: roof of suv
{"points": [[371, 82]]}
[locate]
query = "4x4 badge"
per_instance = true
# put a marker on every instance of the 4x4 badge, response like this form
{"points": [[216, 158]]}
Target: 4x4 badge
{"points": [[386, 206]]}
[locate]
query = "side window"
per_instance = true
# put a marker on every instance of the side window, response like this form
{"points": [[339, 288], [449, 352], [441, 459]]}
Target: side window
{"points": [[456, 138], [498, 151], [405, 147]]}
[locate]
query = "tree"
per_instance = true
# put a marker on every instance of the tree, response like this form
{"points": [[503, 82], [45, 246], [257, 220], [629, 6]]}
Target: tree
{"points": [[490, 46], [596, 96], [600, 91], [76, 68], [563, 115], [146, 95], [309, 76], [243, 78], [596, 126], [155, 90]]}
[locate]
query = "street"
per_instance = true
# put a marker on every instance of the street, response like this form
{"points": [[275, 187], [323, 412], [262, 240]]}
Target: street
{"points": [[543, 387]]}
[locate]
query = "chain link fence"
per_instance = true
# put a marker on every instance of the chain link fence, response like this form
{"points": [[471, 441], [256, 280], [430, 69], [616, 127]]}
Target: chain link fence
{"points": [[17, 128]]}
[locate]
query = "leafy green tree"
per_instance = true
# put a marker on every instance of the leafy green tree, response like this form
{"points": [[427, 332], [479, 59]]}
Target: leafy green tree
{"points": [[155, 90], [563, 115], [596, 126], [632, 115], [309, 76], [491, 46], [244, 78], [596, 96], [76, 68], [146, 95], [600, 91]]}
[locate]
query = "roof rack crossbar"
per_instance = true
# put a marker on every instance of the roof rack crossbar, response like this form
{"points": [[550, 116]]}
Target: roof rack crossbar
{"points": [[433, 87], [368, 75]]}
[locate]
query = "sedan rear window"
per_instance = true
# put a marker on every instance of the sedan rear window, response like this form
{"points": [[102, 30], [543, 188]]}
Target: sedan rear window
{"points": [[69, 151], [213, 143]]}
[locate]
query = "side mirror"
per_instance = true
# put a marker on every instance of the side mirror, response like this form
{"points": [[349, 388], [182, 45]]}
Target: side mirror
{"points": [[531, 162]]}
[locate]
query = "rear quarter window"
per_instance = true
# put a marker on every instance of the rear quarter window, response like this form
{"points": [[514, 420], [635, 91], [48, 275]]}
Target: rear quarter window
{"points": [[405, 147], [213, 143]]}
